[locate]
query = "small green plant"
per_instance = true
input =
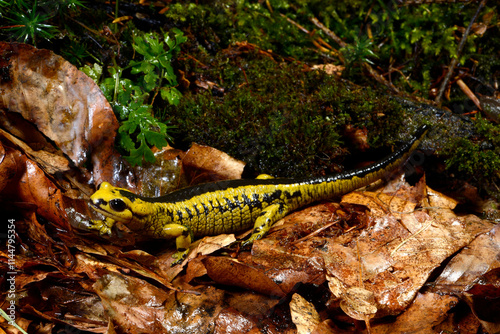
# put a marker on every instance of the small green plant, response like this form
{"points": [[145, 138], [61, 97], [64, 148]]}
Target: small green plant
{"points": [[28, 24], [155, 63], [358, 53], [132, 97]]}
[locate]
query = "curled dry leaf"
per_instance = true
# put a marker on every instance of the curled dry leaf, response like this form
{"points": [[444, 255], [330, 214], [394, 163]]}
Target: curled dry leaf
{"points": [[132, 304], [33, 186], [208, 245], [304, 315], [213, 164], [466, 268], [64, 104], [426, 312], [49, 162], [359, 303], [8, 165]]}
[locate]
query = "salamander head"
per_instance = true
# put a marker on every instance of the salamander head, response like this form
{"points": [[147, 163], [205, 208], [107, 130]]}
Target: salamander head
{"points": [[116, 203]]}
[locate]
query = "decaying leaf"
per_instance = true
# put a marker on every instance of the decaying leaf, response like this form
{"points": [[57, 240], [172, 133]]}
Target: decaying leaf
{"points": [[51, 163], [426, 312], [64, 104], [304, 315], [398, 253], [474, 261], [208, 245], [211, 164], [359, 303], [232, 272]]}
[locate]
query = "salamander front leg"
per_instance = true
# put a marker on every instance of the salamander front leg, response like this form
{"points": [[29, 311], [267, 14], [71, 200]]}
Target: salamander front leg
{"points": [[103, 226], [183, 238], [265, 221]]}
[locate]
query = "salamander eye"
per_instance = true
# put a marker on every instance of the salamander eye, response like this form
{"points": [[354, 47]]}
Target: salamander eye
{"points": [[117, 205]]}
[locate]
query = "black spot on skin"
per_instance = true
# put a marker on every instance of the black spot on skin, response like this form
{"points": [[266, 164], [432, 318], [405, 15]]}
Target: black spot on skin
{"points": [[190, 215], [205, 208], [196, 209], [256, 203], [179, 213], [127, 194], [185, 233], [246, 200], [230, 204], [269, 198], [294, 195]]}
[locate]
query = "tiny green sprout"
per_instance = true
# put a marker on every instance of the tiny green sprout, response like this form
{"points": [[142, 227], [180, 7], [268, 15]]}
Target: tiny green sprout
{"points": [[28, 24]]}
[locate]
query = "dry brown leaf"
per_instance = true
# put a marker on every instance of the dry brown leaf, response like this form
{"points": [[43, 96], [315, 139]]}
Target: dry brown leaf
{"points": [[486, 308], [33, 186], [401, 249], [210, 164], [359, 303], [248, 312], [208, 245], [426, 312], [8, 165], [64, 104], [465, 269], [134, 305], [229, 271], [231, 321], [304, 315], [49, 162], [73, 309], [439, 200]]}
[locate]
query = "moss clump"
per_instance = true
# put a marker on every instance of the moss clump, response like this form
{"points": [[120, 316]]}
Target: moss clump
{"points": [[477, 158], [279, 118]]}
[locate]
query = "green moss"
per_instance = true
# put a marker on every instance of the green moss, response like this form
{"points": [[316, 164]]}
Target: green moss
{"points": [[281, 119], [477, 158]]}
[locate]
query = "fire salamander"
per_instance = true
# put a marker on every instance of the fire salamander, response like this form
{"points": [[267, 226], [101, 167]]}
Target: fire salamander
{"points": [[233, 205]]}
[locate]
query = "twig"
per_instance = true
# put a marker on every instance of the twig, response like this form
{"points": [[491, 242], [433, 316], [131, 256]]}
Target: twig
{"points": [[328, 32], [316, 232], [469, 93], [317, 42], [454, 61], [295, 23]]}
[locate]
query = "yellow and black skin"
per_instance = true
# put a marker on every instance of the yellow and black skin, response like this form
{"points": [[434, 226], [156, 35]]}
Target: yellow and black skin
{"points": [[231, 206]]}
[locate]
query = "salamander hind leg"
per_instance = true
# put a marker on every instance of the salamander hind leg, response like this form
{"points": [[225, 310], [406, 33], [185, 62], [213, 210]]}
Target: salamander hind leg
{"points": [[183, 238], [265, 221]]}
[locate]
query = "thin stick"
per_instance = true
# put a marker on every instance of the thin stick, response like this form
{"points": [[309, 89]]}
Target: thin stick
{"points": [[329, 33], [454, 61]]}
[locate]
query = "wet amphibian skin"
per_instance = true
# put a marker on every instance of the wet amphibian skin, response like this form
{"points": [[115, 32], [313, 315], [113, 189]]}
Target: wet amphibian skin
{"points": [[231, 206]]}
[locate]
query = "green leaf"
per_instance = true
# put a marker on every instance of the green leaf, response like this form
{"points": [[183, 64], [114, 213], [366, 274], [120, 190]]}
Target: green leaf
{"points": [[93, 72], [156, 139], [171, 94], [126, 141]]}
